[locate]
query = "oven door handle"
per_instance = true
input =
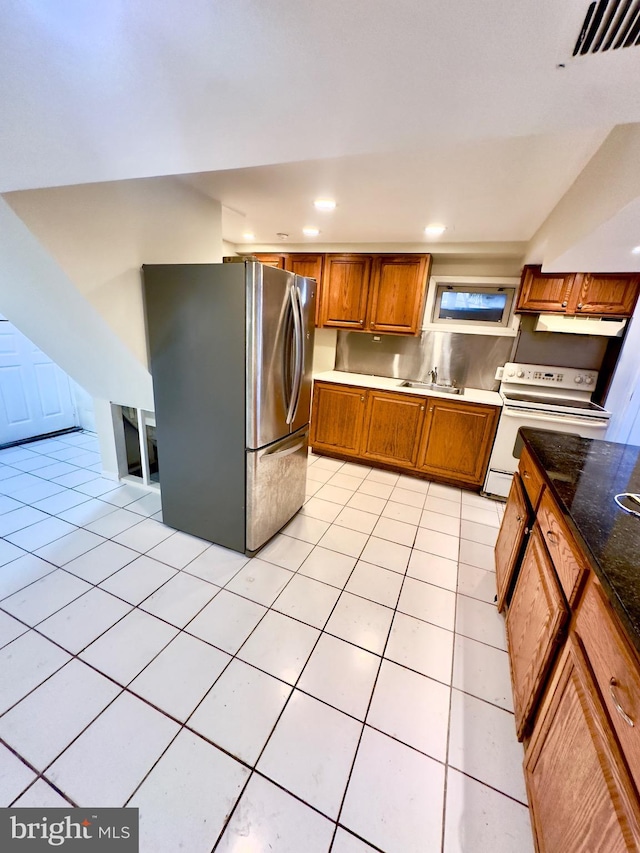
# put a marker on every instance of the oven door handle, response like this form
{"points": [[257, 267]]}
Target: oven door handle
{"points": [[550, 417]]}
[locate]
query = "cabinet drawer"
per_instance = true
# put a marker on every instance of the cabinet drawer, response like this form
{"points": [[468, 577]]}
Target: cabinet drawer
{"points": [[616, 670], [531, 478], [565, 553]]}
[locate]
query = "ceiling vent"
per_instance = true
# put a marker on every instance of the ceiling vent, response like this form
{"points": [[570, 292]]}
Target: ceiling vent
{"points": [[608, 25]]}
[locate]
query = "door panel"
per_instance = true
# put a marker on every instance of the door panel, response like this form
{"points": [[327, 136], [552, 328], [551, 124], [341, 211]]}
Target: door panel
{"points": [[338, 413], [511, 538], [35, 394], [345, 290], [580, 794], [276, 481], [537, 615], [392, 427], [398, 287]]}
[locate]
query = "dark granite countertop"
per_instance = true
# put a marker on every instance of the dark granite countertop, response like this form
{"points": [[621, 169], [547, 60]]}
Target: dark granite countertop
{"points": [[584, 476]]}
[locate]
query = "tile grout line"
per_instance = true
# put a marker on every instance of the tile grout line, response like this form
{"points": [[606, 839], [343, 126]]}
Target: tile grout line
{"points": [[271, 607]]}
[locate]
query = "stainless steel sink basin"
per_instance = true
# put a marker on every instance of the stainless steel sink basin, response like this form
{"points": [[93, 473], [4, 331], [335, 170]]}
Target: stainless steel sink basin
{"points": [[432, 386]]}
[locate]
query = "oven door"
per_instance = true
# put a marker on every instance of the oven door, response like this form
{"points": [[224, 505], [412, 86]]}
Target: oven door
{"points": [[503, 463]]}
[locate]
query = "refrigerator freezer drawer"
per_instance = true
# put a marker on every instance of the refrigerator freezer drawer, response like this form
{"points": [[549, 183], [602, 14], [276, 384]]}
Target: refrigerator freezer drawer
{"points": [[276, 480]]}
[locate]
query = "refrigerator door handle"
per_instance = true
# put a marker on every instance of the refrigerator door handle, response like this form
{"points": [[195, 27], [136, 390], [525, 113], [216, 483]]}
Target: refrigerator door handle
{"points": [[302, 351], [297, 340]]}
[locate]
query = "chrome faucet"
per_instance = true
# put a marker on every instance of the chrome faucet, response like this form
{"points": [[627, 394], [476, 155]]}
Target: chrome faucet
{"points": [[433, 374]]}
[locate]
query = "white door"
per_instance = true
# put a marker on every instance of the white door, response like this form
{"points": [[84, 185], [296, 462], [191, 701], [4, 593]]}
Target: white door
{"points": [[35, 394]]}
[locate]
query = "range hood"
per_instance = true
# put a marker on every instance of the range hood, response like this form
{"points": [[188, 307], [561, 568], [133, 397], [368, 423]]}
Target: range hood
{"points": [[609, 327]]}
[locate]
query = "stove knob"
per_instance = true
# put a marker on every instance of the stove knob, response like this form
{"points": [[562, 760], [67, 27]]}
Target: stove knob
{"points": [[511, 372], [589, 380], [520, 374], [578, 380]]}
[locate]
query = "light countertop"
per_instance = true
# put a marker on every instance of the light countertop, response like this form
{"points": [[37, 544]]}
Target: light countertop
{"points": [[384, 383]]}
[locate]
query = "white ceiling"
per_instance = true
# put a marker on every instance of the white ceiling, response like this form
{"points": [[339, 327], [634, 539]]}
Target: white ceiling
{"points": [[405, 112]]}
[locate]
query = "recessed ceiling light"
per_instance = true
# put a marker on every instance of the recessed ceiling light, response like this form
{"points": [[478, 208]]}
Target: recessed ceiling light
{"points": [[635, 250], [310, 231], [248, 236], [324, 204], [435, 230]]}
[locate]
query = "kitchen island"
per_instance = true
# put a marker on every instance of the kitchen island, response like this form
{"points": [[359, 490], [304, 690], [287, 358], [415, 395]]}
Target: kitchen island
{"points": [[584, 476], [568, 574]]}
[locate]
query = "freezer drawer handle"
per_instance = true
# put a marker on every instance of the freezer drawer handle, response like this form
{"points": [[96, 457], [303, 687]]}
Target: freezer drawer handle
{"points": [[286, 451]]}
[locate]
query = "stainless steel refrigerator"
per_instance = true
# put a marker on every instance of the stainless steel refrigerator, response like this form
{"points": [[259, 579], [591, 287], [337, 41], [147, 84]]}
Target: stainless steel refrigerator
{"points": [[230, 348]]}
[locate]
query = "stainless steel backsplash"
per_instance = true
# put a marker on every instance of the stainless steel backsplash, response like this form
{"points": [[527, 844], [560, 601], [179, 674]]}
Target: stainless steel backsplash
{"points": [[469, 361]]}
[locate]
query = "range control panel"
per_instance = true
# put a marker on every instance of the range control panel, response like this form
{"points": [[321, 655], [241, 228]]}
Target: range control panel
{"points": [[544, 375]]}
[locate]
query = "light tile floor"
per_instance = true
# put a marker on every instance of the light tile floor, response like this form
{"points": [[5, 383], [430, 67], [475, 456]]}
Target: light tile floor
{"points": [[346, 690]]}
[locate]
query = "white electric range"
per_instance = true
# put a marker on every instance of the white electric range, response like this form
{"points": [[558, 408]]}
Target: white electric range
{"points": [[542, 397]]}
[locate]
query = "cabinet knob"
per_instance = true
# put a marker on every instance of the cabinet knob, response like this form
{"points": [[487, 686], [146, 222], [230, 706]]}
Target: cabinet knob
{"points": [[564, 304], [431, 409], [579, 305], [526, 475], [362, 322], [551, 536], [519, 517], [362, 399], [612, 685], [422, 408]]}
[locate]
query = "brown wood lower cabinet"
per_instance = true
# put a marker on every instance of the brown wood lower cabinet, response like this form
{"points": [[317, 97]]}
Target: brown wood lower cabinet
{"points": [[457, 440], [575, 681], [513, 532], [451, 442], [537, 615], [338, 413], [580, 793], [392, 426]]}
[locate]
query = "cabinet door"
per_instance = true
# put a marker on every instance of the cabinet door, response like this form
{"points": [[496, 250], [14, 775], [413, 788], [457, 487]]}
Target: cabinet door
{"points": [[272, 260], [580, 795], [310, 266], [392, 426], [336, 418], [397, 293], [605, 294], [345, 291], [536, 617], [457, 440], [513, 530], [616, 670], [544, 291]]}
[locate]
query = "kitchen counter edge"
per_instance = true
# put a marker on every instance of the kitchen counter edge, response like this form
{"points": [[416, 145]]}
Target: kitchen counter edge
{"points": [[384, 383]]}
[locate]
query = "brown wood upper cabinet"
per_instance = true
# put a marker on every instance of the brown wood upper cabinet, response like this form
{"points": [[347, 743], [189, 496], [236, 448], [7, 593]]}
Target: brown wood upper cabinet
{"points": [[577, 293], [272, 260], [345, 291], [374, 293]]}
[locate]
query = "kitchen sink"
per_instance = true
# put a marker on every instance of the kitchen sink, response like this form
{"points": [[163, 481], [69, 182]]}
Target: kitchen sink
{"points": [[432, 386]]}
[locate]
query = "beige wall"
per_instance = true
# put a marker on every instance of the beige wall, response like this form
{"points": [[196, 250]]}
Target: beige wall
{"points": [[101, 234]]}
